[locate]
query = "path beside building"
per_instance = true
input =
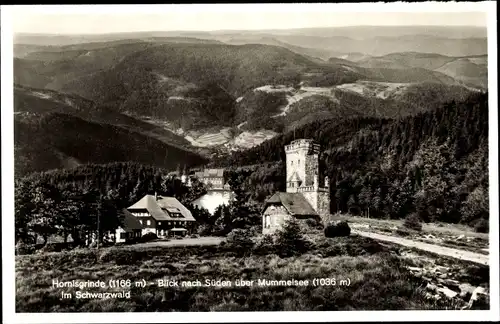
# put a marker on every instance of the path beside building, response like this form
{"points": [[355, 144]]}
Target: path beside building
{"points": [[441, 250]]}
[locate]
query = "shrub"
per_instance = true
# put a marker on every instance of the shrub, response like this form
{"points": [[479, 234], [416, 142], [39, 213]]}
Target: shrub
{"points": [[23, 248], [314, 223], [290, 241], [204, 230], [413, 222], [265, 245], [106, 256], [482, 226], [53, 247], [337, 228], [120, 256], [240, 241], [402, 232]]}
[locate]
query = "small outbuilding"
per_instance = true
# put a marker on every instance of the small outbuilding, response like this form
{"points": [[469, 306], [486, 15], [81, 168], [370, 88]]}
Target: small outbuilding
{"points": [[130, 228]]}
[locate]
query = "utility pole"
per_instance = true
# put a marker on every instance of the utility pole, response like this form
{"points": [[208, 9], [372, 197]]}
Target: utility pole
{"points": [[99, 220], [98, 229]]}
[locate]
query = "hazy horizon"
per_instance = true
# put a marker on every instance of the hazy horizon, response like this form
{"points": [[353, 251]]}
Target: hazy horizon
{"points": [[98, 20], [244, 30]]}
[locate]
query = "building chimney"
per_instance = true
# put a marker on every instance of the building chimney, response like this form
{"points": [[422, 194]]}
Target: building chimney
{"points": [[156, 196]]}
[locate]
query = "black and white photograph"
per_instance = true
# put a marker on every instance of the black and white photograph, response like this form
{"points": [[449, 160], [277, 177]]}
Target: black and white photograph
{"points": [[278, 162]]}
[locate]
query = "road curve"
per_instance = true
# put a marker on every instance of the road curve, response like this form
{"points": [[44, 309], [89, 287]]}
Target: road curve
{"points": [[441, 250]]}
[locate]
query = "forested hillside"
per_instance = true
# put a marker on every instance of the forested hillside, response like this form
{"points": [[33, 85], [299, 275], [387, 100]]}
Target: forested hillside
{"points": [[56, 130], [191, 83], [57, 140], [434, 163]]}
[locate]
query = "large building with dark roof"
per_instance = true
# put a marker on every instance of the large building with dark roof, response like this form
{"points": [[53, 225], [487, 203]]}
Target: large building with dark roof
{"points": [[305, 197], [163, 216], [213, 178]]}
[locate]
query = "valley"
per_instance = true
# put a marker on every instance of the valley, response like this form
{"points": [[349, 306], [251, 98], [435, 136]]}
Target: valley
{"points": [[217, 93]]}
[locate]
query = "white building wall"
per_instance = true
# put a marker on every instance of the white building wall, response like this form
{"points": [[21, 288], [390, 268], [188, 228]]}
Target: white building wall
{"points": [[148, 230], [118, 238]]}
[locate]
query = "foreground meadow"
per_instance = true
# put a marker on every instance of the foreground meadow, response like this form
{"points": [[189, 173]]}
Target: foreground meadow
{"points": [[377, 279]]}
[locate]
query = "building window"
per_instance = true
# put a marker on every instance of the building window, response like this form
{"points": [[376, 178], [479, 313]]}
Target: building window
{"points": [[123, 236], [140, 220], [268, 221], [298, 162], [291, 162], [169, 223], [159, 223], [149, 222]]}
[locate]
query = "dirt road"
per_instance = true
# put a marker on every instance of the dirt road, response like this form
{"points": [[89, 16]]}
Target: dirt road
{"points": [[441, 250]]}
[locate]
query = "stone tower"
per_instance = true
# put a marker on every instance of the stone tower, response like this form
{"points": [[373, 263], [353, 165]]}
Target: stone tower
{"points": [[303, 175], [301, 163]]}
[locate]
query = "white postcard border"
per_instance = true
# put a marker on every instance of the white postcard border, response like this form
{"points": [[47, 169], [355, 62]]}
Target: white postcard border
{"points": [[8, 257]]}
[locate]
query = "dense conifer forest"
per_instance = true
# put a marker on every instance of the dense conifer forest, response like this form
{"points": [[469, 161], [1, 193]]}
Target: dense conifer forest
{"points": [[434, 164]]}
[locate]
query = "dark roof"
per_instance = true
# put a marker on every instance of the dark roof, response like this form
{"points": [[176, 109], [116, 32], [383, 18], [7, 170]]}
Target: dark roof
{"points": [[294, 203], [159, 208], [129, 222]]}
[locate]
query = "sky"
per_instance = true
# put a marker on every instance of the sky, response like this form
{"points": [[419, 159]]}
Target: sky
{"points": [[110, 19]]}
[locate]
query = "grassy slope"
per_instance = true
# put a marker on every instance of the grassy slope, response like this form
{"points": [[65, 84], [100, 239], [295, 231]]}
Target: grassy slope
{"points": [[445, 233]]}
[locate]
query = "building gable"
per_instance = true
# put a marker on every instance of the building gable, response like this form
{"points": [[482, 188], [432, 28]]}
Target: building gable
{"points": [[162, 208], [294, 203]]}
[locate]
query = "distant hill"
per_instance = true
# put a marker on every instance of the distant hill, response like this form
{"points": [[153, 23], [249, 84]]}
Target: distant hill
{"points": [[469, 70], [377, 46], [369, 40], [266, 40], [63, 40]]}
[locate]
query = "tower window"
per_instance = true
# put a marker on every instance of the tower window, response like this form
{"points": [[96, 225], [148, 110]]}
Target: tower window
{"points": [[291, 163], [298, 162]]}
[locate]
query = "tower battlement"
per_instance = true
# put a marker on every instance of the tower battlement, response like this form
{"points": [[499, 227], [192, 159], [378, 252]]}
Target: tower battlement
{"points": [[307, 145]]}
